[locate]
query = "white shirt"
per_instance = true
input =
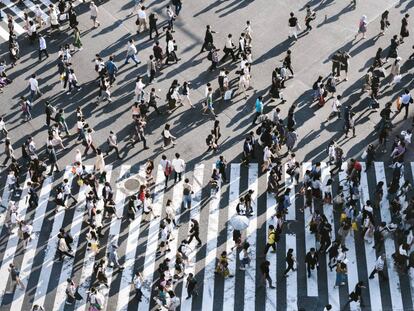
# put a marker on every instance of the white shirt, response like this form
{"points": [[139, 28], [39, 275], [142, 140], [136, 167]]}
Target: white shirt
{"points": [[42, 43], [170, 46], [142, 14], [229, 43], [335, 105], [405, 99], [2, 125], [139, 87], [34, 85], [178, 165]]}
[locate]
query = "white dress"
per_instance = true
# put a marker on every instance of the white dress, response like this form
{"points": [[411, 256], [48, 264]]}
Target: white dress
{"points": [[100, 163]]}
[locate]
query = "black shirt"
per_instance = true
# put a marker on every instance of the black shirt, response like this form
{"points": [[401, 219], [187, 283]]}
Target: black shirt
{"points": [[293, 21]]}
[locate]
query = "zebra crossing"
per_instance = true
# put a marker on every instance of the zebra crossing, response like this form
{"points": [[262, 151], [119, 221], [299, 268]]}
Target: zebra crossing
{"points": [[45, 279], [17, 11]]}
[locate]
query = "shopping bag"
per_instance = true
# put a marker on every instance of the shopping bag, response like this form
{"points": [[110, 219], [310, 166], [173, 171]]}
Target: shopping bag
{"points": [[228, 94], [398, 103]]}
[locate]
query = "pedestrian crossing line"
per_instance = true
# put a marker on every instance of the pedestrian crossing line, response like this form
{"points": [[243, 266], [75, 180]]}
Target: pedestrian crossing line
{"points": [[89, 260], [4, 34], [17, 12], [271, 295], [51, 249], [370, 255], [291, 280], [394, 279], [177, 199], [115, 225], [5, 203], [198, 174], [310, 241], [251, 237], [31, 6], [212, 235], [234, 189], [152, 242], [333, 293], [13, 240], [30, 249], [411, 272], [349, 241], [76, 225], [130, 251], [291, 215]]}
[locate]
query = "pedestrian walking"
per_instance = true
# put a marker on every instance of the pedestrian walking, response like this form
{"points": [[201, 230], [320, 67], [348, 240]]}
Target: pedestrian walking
{"points": [[362, 27], [265, 271], [311, 261], [42, 47], [94, 14]]}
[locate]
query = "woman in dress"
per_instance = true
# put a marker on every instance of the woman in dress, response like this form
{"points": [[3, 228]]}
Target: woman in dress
{"points": [[76, 39], [168, 138], [99, 162], [362, 28]]}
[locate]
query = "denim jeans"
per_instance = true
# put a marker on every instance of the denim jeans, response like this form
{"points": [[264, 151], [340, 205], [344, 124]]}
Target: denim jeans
{"points": [[133, 57], [187, 201]]}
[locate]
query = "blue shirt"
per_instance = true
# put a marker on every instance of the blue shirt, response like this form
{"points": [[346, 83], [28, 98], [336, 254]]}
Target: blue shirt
{"points": [[259, 106]]}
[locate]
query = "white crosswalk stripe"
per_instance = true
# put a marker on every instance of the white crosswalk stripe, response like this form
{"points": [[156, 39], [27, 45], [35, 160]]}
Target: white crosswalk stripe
{"points": [[13, 240], [120, 286]]}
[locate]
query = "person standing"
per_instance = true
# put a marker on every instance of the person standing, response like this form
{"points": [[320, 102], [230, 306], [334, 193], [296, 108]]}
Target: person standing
{"points": [[151, 69], [166, 167], [42, 47], [221, 165], [131, 53], [94, 14], [67, 192], [264, 269], [191, 286], [178, 165], [76, 39], [384, 23], [311, 261], [187, 192]]}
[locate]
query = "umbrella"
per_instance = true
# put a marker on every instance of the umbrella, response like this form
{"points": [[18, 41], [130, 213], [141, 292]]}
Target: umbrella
{"points": [[239, 222]]}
